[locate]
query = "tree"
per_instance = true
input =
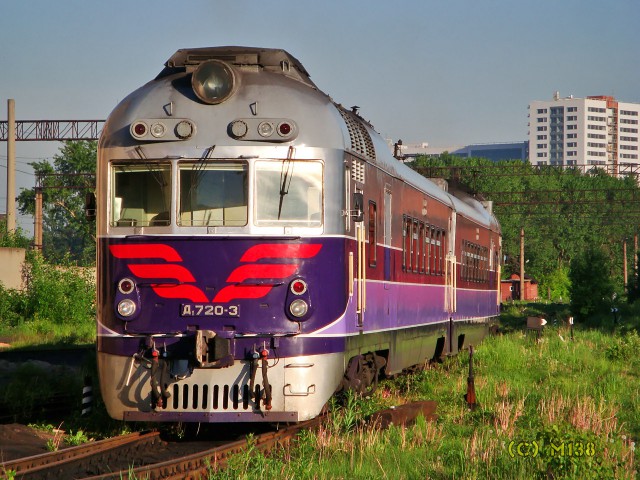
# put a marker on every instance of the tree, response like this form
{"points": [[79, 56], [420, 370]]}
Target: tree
{"points": [[591, 283], [66, 232], [563, 211], [15, 239]]}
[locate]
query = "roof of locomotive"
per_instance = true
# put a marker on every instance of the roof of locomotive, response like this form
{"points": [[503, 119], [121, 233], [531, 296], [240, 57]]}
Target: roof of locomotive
{"points": [[281, 62], [269, 59]]}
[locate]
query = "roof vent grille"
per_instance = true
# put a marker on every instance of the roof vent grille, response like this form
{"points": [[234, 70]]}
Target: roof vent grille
{"points": [[360, 139]]}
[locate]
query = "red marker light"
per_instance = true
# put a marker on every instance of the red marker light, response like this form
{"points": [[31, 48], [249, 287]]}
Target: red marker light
{"points": [[126, 286], [298, 287], [139, 129], [284, 129]]}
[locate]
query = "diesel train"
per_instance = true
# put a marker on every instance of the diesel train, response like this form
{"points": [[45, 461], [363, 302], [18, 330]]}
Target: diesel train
{"points": [[260, 248]]}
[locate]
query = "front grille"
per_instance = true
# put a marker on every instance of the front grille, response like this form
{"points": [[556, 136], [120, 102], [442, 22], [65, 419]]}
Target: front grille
{"points": [[194, 397]]}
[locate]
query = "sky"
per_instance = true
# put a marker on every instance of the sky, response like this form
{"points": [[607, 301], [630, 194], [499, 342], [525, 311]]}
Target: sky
{"points": [[449, 72]]}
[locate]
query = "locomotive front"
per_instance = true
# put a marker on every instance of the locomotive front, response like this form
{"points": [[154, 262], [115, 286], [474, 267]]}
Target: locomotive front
{"points": [[219, 242]]}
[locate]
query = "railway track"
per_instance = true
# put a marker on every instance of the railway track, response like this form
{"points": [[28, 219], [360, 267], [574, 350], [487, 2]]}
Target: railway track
{"points": [[65, 463], [113, 458], [197, 465]]}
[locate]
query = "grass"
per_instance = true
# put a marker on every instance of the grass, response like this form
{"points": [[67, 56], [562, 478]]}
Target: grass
{"points": [[57, 306], [553, 408]]}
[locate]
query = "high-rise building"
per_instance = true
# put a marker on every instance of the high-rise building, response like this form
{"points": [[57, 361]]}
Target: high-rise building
{"points": [[584, 131]]}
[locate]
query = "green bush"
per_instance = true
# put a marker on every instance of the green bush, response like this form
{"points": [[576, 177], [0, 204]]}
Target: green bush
{"points": [[624, 348], [59, 294], [591, 286], [559, 284], [58, 301]]}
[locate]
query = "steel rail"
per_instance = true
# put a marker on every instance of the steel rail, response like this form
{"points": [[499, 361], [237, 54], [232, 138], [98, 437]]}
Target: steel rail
{"points": [[98, 456], [199, 465], [36, 465]]}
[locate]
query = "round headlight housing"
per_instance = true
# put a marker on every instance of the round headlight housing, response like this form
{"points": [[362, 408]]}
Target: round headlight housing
{"points": [[298, 308], [213, 81], [126, 307], [158, 130], [184, 129], [265, 129]]}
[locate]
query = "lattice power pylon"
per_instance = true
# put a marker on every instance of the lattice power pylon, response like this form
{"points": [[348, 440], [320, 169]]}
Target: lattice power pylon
{"points": [[53, 130]]}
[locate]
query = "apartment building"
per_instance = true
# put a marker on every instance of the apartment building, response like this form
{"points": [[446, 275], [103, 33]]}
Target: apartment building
{"points": [[595, 130]]}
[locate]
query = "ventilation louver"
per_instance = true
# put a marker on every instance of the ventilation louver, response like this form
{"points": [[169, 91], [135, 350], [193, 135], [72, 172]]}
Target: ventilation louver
{"points": [[360, 139], [357, 170]]}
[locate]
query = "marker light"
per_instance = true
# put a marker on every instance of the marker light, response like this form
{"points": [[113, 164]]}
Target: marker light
{"points": [[265, 129], [127, 307], [298, 287], [298, 308], [284, 129], [126, 286], [158, 130], [213, 81], [138, 129]]}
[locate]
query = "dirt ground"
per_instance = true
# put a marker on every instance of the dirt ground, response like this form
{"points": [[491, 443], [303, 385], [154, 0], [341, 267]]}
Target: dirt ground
{"points": [[17, 441]]}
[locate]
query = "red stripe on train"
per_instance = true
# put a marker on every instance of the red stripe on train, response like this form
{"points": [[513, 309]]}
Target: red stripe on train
{"points": [[175, 272], [188, 292], [244, 272], [280, 251], [146, 250], [233, 292]]}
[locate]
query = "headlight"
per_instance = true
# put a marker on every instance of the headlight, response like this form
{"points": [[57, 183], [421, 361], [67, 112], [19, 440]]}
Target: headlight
{"points": [[213, 81], [298, 308], [126, 307], [184, 129]]}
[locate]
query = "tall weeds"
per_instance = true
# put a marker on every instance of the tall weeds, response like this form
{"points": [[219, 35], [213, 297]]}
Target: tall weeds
{"points": [[57, 304]]}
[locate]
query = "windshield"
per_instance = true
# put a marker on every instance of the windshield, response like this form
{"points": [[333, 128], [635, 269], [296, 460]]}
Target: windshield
{"points": [[141, 195], [289, 192], [213, 194], [216, 193]]}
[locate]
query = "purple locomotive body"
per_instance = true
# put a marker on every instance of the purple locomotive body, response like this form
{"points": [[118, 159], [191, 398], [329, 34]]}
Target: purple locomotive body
{"points": [[259, 248]]}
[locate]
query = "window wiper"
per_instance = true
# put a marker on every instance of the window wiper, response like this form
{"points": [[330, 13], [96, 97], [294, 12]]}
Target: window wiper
{"points": [[156, 174], [286, 174], [198, 168]]}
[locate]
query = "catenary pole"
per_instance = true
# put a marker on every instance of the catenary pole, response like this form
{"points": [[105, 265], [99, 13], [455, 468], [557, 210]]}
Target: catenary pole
{"points": [[522, 295], [11, 165]]}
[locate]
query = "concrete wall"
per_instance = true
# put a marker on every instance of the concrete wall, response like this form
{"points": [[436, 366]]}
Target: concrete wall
{"points": [[11, 262]]}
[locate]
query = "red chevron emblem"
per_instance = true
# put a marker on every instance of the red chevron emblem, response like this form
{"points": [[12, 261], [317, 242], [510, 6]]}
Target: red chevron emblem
{"points": [[162, 271], [248, 281], [266, 273]]}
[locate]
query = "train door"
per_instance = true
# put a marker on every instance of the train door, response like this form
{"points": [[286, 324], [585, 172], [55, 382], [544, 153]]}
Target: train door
{"points": [[450, 267], [361, 260], [498, 270], [387, 233], [450, 283]]}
